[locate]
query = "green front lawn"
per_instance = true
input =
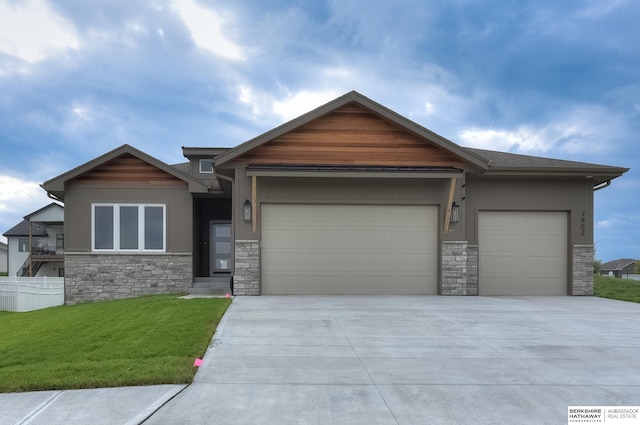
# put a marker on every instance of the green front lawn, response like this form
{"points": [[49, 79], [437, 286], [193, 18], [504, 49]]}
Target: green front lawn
{"points": [[139, 341], [618, 289]]}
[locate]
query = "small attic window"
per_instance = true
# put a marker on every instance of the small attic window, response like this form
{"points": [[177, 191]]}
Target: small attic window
{"points": [[206, 166]]}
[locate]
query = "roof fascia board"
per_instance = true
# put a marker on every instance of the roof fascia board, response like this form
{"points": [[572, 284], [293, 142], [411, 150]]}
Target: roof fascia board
{"points": [[613, 173], [355, 174], [376, 108], [597, 177], [188, 152], [57, 183]]}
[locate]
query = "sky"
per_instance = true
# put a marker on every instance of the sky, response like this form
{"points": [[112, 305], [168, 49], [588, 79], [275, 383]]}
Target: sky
{"points": [[558, 79]]}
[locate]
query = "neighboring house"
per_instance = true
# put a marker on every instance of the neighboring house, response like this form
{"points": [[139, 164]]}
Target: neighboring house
{"points": [[350, 198], [4, 261], [36, 245], [619, 268]]}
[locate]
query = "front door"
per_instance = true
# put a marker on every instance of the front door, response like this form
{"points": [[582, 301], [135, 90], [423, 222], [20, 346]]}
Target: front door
{"points": [[220, 247]]}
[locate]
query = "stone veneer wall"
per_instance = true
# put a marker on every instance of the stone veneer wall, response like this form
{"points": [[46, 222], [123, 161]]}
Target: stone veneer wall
{"points": [[246, 280], [582, 270], [472, 269], [103, 277], [456, 279]]}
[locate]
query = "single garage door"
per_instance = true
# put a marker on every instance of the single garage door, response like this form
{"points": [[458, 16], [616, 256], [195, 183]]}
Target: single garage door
{"points": [[522, 253], [349, 249]]}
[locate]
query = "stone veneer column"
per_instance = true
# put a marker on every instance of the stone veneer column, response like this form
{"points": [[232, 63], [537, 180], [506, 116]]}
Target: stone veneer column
{"points": [[104, 277], [455, 276], [582, 270], [246, 281], [472, 269]]}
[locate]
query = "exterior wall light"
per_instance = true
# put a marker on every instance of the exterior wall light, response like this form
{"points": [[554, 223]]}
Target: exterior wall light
{"points": [[455, 213], [246, 210]]}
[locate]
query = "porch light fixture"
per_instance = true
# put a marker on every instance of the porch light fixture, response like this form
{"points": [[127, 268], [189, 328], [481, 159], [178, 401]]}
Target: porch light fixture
{"points": [[246, 210], [455, 213]]}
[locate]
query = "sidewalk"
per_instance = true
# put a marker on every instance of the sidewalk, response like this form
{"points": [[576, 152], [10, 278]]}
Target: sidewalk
{"points": [[102, 406]]}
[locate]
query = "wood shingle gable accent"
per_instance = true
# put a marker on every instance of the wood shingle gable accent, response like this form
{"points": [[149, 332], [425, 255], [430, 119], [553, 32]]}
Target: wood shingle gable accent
{"points": [[123, 164], [377, 115], [351, 135], [128, 168]]}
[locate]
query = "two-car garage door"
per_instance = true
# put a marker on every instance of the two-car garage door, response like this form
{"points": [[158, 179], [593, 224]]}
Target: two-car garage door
{"points": [[349, 249]]}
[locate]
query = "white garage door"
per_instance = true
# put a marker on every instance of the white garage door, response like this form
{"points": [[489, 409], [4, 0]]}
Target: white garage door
{"points": [[522, 253], [349, 249]]}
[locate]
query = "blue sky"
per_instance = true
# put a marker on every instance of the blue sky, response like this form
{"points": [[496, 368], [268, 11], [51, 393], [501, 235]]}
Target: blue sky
{"points": [[558, 79]]}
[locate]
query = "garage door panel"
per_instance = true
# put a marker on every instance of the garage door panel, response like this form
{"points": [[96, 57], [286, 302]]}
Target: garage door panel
{"points": [[522, 253], [412, 262], [371, 237], [371, 261], [320, 214], [374, 216], [289, 238], [321, 261], [418, 239], [325, 239], [350, 249], [292, 261]]}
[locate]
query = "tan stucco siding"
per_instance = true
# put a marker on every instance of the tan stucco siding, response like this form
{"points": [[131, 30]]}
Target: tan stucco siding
{"points": [[574, 196], [176, 197]]}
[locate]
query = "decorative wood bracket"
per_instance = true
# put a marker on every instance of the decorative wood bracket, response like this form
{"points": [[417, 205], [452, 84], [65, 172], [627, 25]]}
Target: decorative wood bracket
{"points": [[447, 216]]}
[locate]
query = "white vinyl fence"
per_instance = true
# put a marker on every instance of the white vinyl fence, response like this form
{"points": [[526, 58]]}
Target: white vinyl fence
{"points": [[30, 293]]}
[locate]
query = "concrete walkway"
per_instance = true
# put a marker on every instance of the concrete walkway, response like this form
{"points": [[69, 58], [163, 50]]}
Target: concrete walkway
{"points": [[103, 406], [413, 360]]}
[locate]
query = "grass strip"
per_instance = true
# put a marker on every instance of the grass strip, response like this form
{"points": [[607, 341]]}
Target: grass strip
{"points": [[138, 341], [617, 289]]}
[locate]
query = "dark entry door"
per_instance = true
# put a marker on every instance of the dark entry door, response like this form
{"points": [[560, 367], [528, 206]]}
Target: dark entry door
{"points": [[220, 247]]}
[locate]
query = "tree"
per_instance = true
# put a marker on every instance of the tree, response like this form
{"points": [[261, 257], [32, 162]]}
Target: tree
{"points": [[597, 264]]}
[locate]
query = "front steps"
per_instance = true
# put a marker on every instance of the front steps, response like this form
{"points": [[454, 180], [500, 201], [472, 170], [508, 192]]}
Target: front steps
{"points": [[215, 285]]}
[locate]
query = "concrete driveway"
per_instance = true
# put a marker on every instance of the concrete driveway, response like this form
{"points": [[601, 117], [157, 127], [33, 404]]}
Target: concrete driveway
{"points": [[413, 360]]}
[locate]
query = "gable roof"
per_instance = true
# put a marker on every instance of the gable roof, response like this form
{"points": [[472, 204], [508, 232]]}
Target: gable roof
{"points": [[510, 163], [22, 229], [55, 186], [47, 214], [377, 109], [620, 264]]}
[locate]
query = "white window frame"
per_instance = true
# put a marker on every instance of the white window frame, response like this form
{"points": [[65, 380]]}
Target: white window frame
{"points": [[202, 161], [116, 227]]}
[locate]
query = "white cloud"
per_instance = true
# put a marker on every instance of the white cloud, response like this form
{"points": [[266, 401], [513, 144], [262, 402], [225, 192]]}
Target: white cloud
{"points": [[584, 128], [490, 139], [13, 189], [207, 30], [247, 96], [597, 9], [428, 108], [302, 102], [31, 31], [18, 198]]}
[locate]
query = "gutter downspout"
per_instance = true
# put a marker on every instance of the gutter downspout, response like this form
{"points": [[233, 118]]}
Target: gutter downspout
{"points": [[602, 185], [54, 197]]}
